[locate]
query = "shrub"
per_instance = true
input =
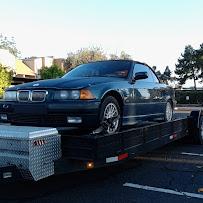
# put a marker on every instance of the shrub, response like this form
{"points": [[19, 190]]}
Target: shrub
{"points": [[5, 79], [189, 96]]}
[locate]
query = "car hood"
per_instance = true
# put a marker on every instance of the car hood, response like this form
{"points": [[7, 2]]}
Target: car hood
{"points": [[66, 83]]}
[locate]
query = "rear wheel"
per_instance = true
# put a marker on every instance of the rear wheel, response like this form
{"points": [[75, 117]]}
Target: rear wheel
{"points": [[168, 112], [110, 113]]}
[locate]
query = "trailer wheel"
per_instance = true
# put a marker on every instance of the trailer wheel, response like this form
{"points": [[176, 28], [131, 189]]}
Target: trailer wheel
{"points": [[168, 112], [110, 113]]}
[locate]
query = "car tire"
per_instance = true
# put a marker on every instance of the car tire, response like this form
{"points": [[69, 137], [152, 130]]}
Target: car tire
{"points": [[110, 108], [168, 112]]}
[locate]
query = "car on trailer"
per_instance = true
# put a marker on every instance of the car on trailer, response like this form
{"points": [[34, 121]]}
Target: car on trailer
{"points": [[119, 92]]}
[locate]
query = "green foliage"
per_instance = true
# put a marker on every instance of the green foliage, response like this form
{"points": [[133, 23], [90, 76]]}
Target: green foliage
{"points": [[5, 79], [199, 62], [165, 77], [158, 73], [9, 44], [188, 66], [51, 72], [195, 97]]}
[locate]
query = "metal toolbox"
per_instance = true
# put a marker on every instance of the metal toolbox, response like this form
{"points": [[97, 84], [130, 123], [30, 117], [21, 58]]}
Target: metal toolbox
{"points": [[32, 150]]}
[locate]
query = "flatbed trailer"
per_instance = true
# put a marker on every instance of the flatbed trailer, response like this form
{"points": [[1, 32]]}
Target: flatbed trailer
{"points": [[34, 153]]}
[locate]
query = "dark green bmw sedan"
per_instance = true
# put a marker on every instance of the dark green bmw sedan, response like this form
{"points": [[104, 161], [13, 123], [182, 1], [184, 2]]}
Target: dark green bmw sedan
{"points": [[122, 92]]}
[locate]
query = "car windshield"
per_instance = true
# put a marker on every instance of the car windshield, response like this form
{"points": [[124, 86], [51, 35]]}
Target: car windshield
{"points": [[119, 69]]}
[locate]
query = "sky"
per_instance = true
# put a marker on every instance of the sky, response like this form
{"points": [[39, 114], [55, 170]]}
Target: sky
{"points": [[151, 31]]}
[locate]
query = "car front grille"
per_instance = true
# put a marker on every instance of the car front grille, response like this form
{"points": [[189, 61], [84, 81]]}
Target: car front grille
{"points": [[38, 95], [23, 95], [32, 96]]}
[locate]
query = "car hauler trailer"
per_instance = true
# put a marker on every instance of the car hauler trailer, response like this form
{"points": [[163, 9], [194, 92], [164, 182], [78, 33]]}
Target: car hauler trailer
{"points": [[34, 153]]}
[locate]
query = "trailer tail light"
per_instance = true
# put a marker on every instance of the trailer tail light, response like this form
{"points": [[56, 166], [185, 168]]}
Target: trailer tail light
{"points": [[174, 136], [117, 158], [122, 156], [90, 165]]}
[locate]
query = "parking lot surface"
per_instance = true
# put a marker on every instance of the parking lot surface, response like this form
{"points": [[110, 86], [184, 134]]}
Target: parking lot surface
{"points": [[173, 173]]}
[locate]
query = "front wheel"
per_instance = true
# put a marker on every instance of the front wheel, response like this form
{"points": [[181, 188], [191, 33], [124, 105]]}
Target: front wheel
{"points": [[168, 112], [110, 113]]}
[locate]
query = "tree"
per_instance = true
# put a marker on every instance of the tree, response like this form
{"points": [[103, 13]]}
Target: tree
{"points": [[154, 68], [9, 44], [124, 56], [187, 67], [199, 62], [113, 57], [158, 73], [51, 72], [84, 55], [166, 76], [70, 61], [5, 79]]}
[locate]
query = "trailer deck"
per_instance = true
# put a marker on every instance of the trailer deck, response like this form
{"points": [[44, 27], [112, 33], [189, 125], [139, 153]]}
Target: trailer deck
{"points": [[88, 151]]}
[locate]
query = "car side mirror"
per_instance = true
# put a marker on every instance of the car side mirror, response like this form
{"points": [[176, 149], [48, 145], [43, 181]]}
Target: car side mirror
{"points": [[140, 76]]}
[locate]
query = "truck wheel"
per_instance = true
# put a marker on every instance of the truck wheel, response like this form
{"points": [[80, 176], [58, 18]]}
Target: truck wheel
{"points": [[110, 113], [168, 112]]}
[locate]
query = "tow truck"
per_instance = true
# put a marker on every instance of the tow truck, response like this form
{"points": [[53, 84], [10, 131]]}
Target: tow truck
{"points": [[35, 153]]}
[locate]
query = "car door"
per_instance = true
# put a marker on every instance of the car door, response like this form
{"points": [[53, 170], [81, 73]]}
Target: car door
{"points": [[158, 98], [144, 92]]}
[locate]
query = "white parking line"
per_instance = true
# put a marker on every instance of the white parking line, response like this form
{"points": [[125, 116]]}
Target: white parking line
{"points": [[191, 154], [168, 191]]}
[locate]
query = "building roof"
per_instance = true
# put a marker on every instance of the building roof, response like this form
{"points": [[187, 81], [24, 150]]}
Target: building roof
{"points": [[22, 69]]}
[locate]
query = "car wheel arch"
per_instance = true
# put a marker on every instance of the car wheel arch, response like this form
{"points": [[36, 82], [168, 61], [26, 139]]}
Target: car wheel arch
{"points": [[116, 95]]}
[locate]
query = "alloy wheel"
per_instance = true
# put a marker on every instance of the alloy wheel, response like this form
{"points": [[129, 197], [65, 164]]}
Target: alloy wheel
{"points": [[169, 112], [111, 111]]}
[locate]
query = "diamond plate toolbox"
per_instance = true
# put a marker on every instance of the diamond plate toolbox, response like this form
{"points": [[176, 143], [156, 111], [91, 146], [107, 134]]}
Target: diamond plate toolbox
{"points": [[32, 149]]}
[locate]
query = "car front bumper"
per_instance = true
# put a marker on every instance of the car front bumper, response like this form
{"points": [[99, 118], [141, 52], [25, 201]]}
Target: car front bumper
{"points": [[53, 114]]}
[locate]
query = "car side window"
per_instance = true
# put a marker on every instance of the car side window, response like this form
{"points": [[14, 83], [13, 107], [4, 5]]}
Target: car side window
{"points": [[143, 68]]}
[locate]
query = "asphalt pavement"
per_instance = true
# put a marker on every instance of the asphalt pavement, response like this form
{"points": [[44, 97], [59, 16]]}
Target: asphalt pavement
{"points": [[173, 173]]}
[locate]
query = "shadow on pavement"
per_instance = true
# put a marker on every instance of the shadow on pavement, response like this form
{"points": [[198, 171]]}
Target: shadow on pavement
{"points": [[31, 190]]}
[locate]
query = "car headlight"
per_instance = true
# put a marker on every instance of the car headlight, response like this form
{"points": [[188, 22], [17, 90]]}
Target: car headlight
{"points": [[10, 96], [73, 94], [67, 94]]}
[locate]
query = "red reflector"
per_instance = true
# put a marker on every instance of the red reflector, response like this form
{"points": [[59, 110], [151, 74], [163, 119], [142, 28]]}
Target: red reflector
{"points": [[122, 156], [39, 142]]}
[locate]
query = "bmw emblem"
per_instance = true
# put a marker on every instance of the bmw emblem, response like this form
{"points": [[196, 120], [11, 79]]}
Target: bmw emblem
{"points": [[5, 106]]}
